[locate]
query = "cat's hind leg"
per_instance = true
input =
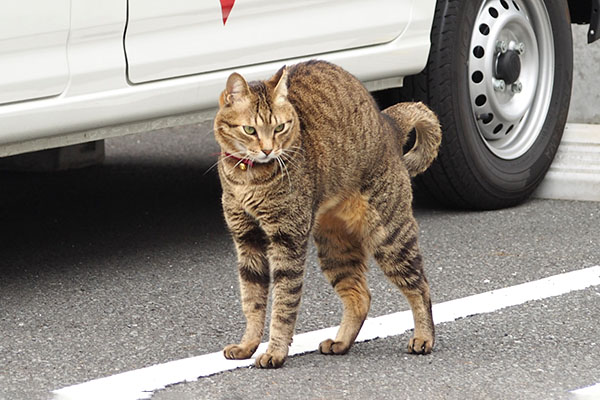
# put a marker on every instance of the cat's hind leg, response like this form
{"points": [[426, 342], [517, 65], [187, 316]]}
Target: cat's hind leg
{"points": [[402, 263], [393, 240], [343, 262]]}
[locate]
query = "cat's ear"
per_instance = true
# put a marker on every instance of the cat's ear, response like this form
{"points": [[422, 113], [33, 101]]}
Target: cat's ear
{"points": [[279, 81], [236, 90]]}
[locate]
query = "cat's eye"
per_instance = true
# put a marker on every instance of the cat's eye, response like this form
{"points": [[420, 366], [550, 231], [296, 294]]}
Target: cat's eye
{"points": [[279, 128], [250, 130]]}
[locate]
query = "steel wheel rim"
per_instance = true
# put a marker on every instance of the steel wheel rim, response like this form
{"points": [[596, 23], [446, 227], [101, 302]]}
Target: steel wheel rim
{"points": [[510, 119]]}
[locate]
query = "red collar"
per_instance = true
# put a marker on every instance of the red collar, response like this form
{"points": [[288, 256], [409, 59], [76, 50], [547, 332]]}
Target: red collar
{"points": [[244, 161]]}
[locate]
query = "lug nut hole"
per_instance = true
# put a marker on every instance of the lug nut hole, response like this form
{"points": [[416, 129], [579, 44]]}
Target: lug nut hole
{"points": [[478, 52], [484, 29], [480, 100]]}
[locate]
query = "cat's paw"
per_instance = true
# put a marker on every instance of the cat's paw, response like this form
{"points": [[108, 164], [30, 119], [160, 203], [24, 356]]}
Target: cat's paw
{"points": [[238, 352], [270, 360], [420, 345], [332, 347]]}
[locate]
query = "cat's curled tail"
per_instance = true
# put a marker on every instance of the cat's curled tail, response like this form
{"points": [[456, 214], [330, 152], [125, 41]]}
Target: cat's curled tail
{"points": [[409, 116]]}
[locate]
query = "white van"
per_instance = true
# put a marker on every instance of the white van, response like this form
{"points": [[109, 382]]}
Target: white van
{"points": [[497, 72]]}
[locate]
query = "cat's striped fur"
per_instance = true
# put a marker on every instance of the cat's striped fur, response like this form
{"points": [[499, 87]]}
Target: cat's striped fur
{"points": [[308, 151]]}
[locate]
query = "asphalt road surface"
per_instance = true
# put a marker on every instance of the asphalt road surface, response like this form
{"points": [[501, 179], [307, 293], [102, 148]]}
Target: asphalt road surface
{"points": [[129, 264]]}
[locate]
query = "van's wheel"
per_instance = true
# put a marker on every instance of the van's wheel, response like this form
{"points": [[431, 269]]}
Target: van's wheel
{"points": [[499, 77]]}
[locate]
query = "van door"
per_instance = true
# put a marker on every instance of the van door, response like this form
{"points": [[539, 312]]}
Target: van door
{"points": [[33, 48], [166, 39]]}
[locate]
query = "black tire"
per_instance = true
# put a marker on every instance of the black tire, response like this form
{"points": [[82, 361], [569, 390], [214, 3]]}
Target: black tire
{"points": [[467, 173]]}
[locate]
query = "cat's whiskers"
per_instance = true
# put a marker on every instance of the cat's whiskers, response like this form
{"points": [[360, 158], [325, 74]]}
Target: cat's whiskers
{"points": [[294, 153], [281, 162], [296, 150], [212, 167], [286, 158], [220, 159], [289, 158], [251, 163], [236, 155], [280, 166]]}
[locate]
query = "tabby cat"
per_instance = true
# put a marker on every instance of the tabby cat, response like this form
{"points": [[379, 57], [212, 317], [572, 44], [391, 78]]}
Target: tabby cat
{"points": [[308, 151]]}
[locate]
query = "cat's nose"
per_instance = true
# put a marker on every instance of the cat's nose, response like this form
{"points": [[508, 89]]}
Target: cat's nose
{"points": [[267, 152]]}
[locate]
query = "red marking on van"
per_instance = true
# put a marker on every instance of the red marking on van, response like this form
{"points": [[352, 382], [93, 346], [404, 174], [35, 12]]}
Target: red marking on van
{"points": [[226, 6]]}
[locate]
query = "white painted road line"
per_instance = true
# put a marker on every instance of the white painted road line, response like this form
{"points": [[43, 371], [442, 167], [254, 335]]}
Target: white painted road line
{"points": [[588, 393], [142, 383]]}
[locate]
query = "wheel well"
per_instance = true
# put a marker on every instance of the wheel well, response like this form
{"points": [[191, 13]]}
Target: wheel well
{"points": [[581, 11]]}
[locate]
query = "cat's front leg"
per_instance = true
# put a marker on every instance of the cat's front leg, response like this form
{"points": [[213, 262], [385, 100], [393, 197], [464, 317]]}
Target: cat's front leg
{"points": [[253, 269], [287, 255]]}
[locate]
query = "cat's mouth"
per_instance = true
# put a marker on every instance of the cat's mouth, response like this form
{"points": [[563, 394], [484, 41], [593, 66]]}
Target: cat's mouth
{"points": [[251, 160], [263, 158]]}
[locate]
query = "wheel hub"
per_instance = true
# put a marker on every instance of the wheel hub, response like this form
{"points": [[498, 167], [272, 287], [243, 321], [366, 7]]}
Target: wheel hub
{"points": [[511, 69]]}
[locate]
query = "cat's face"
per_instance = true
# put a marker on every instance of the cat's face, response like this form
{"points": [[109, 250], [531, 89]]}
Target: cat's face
{"points": [[256, 121]]}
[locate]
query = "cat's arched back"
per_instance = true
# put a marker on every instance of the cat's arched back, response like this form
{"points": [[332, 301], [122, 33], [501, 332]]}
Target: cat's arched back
{"points": [[308, 151]]}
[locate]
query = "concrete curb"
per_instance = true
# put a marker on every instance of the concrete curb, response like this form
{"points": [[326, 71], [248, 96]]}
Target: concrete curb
{"points": [[575, 171]]}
